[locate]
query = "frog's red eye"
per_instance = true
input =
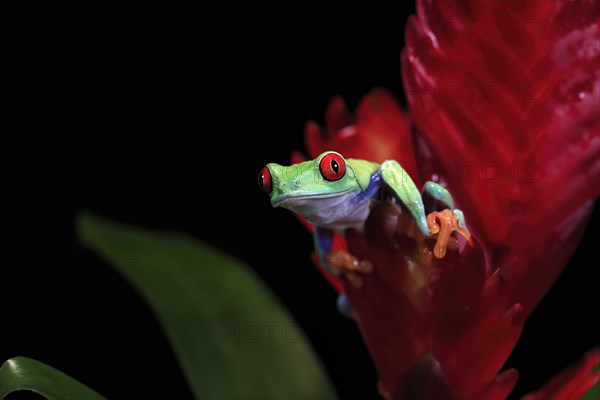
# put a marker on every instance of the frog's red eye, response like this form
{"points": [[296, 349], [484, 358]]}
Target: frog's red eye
{"points": [[264, 180], [332, 167]]}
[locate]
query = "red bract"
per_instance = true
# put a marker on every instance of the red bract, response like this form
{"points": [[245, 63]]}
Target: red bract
{"points": [[507, 97], [505, 103], [379, 130], [419, 313], [573, 382]]}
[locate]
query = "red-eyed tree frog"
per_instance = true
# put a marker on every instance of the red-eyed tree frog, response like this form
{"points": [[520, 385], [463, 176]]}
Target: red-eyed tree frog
{"points": [[335, 194]]}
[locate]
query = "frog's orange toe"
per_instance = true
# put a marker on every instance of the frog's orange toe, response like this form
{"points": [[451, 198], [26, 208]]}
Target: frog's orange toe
{"points": [[443, 223]]}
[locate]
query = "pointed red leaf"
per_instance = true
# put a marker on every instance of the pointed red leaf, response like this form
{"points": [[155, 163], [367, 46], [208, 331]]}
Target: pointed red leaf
{"points": [[507, 97]]}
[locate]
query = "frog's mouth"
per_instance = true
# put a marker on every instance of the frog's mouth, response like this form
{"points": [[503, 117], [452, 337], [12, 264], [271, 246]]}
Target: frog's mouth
{"points": [[302, 199], [325, 209]]}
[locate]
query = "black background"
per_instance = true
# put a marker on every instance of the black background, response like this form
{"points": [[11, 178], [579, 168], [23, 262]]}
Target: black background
{"points": [[163, 118]]}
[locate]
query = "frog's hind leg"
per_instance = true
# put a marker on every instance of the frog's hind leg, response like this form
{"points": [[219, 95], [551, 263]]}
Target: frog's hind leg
{"points": [[344, 307], [352, 269], [340, 262], [323, 242]]}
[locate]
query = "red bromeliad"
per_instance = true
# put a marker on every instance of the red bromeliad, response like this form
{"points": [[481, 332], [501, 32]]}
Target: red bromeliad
{"points": [[505, 112]]}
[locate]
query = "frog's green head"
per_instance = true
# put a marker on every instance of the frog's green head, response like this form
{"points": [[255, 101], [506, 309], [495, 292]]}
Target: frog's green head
{"points": [[309, 186]]}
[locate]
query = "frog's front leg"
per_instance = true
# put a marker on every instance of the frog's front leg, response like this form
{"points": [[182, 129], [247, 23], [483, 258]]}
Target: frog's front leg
{"points": [[436, 196], [439, 199], [444, 219], [404, 189]]}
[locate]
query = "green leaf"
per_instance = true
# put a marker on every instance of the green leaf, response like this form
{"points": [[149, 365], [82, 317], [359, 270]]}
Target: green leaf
{"points": [[230, 334], [22, 373], [594, 392]]}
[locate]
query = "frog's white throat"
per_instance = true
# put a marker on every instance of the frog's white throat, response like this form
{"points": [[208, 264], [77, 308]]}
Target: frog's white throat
{"points": [[337, 212]]}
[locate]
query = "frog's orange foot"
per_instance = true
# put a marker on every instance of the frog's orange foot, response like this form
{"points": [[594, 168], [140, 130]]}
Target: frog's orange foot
{"points": [[443, 223], [350, 266]]}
